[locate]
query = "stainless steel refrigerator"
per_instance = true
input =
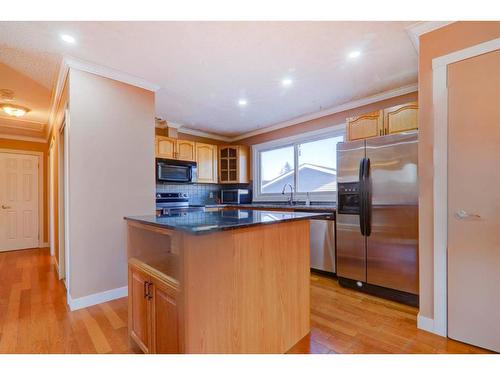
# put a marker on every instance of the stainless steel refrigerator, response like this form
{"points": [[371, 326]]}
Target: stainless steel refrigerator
{"points": [[377, 214]]}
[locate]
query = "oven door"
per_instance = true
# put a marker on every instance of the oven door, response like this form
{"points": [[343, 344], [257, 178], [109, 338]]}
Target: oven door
{"points": [[174, 173]]}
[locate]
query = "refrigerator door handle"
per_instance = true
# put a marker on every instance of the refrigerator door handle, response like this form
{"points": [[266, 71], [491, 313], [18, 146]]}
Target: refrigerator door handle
{"points": [[362, 221], [368, 198]]}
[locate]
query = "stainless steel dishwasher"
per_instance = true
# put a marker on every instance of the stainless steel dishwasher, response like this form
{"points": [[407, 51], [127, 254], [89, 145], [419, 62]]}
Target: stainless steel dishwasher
{"points": [[322, 239]]}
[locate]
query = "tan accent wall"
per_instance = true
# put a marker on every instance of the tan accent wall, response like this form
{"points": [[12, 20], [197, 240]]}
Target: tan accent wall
{"points": [[323, 122], [454, 37], [111, 175], [39, 147]]}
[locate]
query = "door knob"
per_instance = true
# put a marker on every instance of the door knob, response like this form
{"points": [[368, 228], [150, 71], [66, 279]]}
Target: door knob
{"points": [[462, 214], [6, 207]]}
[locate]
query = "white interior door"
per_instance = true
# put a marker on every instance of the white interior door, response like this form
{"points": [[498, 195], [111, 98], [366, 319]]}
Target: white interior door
{"points": [[18, 201], [474, 200]]}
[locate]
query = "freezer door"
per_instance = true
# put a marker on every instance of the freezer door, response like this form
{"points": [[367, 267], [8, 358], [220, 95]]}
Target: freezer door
{"points": [[351, 252], [392, 246]]}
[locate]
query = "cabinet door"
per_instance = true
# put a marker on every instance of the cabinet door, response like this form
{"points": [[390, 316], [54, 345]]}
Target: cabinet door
{"points": [[165, 147], [164, 315], [138, 308], [401, 118], [206, 158], [185, 150], [365, 126]]}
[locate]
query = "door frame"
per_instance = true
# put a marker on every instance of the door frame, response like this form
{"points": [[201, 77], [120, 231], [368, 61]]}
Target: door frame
{"points": [[40, 188], [439, 325], [50, 191]]}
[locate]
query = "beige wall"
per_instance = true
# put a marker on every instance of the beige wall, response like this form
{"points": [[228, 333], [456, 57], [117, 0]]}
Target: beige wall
{"points": [[440, 42], [111, 175], [39, 147]]}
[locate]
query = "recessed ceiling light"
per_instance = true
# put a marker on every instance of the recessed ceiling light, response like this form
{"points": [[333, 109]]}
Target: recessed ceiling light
{"points": [[354, 54], [14, 110], [68, 38], [242, 102], [286, 82]]}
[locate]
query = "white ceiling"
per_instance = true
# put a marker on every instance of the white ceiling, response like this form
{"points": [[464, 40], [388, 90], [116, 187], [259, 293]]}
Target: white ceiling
{"points": [[203, 68]]}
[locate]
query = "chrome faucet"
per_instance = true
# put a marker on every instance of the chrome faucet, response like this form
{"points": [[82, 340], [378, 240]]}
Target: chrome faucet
{"points": [[290, 200]]}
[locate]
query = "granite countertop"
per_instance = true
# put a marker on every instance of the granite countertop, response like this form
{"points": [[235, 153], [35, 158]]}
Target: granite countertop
{"points": [[300, 207], [200, 222]]}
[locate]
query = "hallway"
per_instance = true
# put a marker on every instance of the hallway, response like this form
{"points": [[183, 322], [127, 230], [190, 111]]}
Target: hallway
{"points": [[34, 317]]}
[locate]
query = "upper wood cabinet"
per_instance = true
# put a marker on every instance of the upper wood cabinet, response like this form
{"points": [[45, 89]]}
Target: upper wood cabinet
{"points": [[206, 158], [170, 148], [391, 120], [364, 126], [185, 150], [401, 118], [153, 311], [165, 147], [233, 164]]}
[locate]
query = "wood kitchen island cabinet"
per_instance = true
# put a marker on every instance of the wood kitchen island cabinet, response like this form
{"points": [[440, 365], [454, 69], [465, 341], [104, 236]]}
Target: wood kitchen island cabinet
{"points": [[219, 282]]}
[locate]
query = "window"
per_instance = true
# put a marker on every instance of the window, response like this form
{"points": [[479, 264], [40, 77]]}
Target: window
{"points": [[277, 169], [307, 162], [317, 162]]}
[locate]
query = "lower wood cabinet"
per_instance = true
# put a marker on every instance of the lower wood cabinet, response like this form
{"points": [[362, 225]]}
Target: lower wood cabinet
{"points": [[139, 308], [164, 314], [153, 310]]}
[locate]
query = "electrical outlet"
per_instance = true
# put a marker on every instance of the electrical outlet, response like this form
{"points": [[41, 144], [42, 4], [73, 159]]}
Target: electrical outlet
{"points": [[211, 194]]}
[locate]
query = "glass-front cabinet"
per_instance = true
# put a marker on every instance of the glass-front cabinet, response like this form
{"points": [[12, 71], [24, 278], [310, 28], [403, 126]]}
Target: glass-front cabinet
{"points": [[233, 164]]}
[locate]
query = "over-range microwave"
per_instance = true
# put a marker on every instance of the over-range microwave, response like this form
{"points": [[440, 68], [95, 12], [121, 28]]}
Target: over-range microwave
{"points": [[170, 170], [235, 196]]}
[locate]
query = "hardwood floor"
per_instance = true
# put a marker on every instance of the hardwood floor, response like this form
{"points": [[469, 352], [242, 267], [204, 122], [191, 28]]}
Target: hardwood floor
{"points": [[34, 318]]}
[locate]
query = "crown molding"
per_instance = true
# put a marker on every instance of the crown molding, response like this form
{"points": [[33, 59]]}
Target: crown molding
{"points": [[56, 94], [203, 134], [23, 138], [421, 28], [100, 70], [340, 108], [111, 73], [18, 123]]}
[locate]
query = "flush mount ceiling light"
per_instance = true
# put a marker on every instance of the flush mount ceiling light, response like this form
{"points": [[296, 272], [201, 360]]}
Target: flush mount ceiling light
{"points": [[354, 54], [242, 102], [6, 95], [14, 110], [68, 38], [287, 82]]}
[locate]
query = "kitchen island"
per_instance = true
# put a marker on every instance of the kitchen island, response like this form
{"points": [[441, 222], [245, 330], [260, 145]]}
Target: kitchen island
{"points": [[226, 281]]}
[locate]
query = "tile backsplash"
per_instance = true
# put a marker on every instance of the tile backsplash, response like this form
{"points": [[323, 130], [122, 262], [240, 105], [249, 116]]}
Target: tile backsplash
{"points": [[199, 193]]}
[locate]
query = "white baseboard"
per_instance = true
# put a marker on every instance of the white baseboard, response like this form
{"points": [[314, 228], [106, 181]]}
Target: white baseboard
{"points": [[43, 244], [95, 299], [427, 324]]}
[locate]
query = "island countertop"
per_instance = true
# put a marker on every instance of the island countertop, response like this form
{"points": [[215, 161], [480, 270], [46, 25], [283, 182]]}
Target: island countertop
{"points": [[207, 222]]}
